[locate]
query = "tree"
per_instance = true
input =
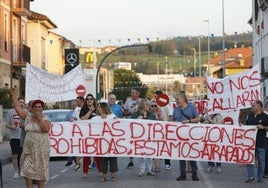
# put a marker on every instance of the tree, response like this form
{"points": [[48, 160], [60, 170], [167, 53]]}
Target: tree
{"points": [[124, 81], [5, 98]]}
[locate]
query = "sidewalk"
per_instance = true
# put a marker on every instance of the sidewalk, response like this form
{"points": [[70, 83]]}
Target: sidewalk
{"points": [[5, 152]]}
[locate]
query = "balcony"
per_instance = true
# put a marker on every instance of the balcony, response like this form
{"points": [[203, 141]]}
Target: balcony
{"points": [[26, 56], [22, 8]]}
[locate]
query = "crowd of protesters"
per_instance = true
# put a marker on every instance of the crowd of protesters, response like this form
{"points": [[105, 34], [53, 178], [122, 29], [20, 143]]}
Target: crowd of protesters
{"points": [[135, 107]]}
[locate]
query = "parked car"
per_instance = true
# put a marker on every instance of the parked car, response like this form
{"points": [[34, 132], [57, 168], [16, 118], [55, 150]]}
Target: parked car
{"points": [[57, 115]]}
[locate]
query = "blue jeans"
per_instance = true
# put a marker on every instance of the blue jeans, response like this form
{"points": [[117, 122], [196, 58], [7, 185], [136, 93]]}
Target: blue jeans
{"points": [[260, 155], [183, 166], [145, 164]]}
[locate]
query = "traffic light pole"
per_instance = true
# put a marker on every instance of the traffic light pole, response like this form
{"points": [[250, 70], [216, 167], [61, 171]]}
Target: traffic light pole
{"points": [[103, 59]]}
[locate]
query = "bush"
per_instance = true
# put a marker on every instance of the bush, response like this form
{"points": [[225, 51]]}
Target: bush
{"points": [[5, 98]]}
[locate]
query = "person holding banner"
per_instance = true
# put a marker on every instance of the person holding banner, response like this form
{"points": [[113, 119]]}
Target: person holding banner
{"points": [[266, 151], [75, 117], [88, 111], [212, 119], [105, 113], [68, 118], [128, 109], [156, 110], [36, 150], [167, 114], [143, 112], [186, 113], [260, 119]]}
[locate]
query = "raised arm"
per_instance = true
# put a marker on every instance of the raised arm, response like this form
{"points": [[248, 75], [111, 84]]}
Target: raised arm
{"points": [[22, 113]]}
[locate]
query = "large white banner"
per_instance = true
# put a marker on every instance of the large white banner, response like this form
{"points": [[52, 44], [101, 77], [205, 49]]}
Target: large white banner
{"points": [[154, 139], [53, 88], [233, 92]]}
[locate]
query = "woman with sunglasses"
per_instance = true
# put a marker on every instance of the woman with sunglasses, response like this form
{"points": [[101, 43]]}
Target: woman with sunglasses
{"points": [[88, 111], [105, 113], [143, 112], [156, 110]]}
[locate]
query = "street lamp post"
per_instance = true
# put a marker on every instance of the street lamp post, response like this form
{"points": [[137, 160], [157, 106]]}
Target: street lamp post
{"points": [[194, 73], [158, 76], [199, 63], [166, 62], [103, 59], [223, 43], [208, 69]]}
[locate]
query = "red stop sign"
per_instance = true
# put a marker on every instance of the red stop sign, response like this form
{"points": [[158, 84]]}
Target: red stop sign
{"points": [[81, 90], [162, 99]]}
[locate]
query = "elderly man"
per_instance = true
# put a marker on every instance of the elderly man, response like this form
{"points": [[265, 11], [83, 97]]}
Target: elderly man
{"points": [[186, 113], [116, 108]]}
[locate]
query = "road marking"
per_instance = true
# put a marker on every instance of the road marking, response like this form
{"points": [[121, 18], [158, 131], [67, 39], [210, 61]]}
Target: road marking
{"points": [[205, 176], [64, 170], [53, 177]]}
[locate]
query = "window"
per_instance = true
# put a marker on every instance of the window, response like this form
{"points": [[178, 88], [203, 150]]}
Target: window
{"points": [[6, 38]]}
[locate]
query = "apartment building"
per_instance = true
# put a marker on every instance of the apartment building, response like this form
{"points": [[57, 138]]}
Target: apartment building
{"points": [[14, 50], [27, 37], [259, 23]]}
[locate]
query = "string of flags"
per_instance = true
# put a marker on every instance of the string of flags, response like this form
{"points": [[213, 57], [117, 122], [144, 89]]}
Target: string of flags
{"points": [[139, 40], [129, 40]]}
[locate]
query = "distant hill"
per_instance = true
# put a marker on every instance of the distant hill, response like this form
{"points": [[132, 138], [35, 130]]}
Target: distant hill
{"points": [[179, 53], [185, 45]]}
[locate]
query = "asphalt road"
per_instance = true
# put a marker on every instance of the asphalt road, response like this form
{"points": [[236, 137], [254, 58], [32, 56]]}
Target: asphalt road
{"points": [[65, 177]]}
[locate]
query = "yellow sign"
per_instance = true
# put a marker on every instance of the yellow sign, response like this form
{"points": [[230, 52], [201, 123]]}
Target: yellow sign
{"points": [[89, 57]]}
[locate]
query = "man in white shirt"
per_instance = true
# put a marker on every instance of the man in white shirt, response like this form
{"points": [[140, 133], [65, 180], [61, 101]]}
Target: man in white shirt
{"points": [[129, 108], [79, 102]]}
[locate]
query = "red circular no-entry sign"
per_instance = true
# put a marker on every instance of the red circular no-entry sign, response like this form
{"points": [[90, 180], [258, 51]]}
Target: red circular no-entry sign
{"points": [[162, 99], [81, 90]]}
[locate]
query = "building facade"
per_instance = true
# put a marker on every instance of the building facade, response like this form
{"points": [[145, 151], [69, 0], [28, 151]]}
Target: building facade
{"points": [[259, 23], [14, 51]]}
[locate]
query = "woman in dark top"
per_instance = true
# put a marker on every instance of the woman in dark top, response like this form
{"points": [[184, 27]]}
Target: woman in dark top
{"points": [[88, 111], [143, 112]]}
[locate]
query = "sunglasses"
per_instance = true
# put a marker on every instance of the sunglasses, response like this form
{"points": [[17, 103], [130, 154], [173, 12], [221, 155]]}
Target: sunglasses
{"points": [[154, 105]]}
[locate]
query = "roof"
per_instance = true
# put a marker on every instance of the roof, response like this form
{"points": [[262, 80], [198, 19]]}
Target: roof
{"points": [[44, 20], [240, 62], [232, 54], [236, 58]]}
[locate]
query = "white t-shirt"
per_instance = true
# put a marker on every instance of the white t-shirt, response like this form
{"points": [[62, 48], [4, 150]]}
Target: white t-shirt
{"points": [[167, 111], [131, 105], [109, 116], [76, 113]]}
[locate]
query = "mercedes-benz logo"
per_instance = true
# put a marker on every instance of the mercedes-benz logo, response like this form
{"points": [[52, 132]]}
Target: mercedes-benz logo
{"points": [[71, 58]]}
